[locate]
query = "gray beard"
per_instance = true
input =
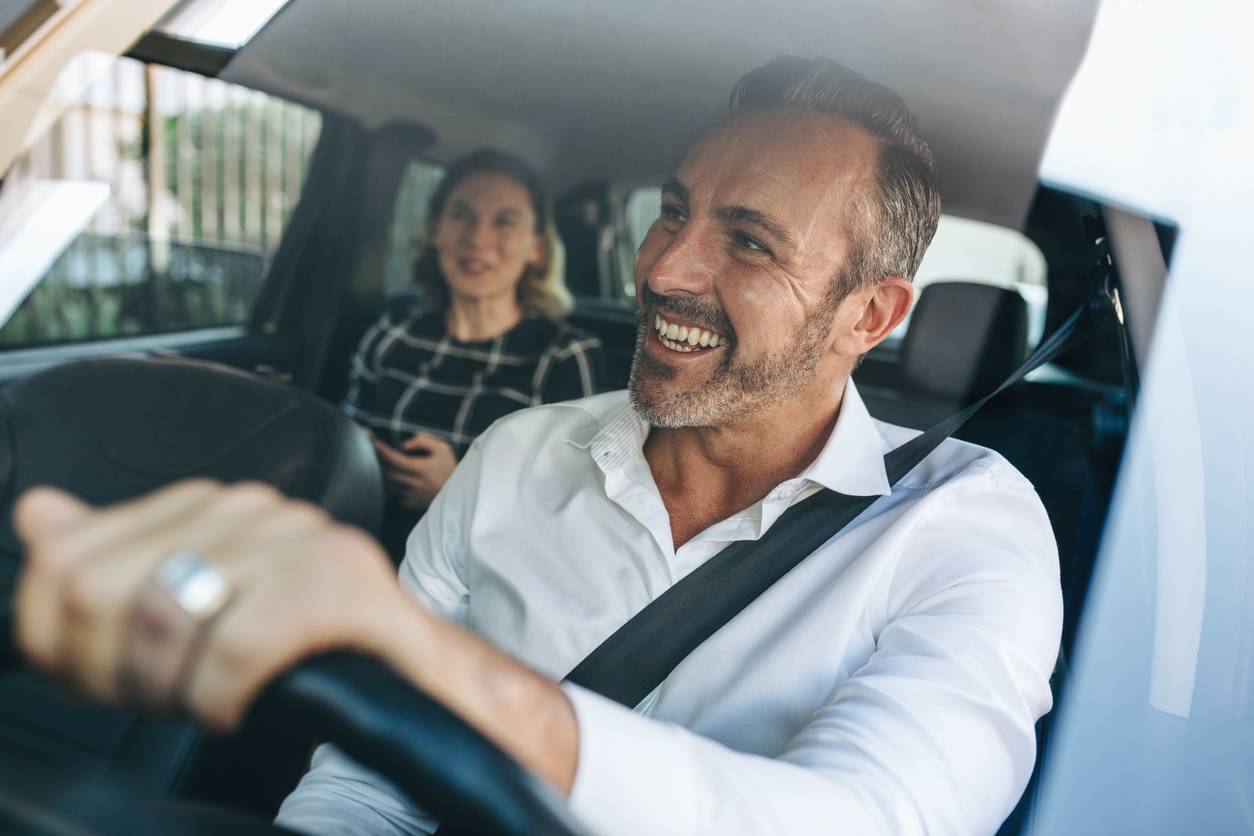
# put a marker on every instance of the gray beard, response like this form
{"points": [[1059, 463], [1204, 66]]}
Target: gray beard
{"points": [[736, 389]]}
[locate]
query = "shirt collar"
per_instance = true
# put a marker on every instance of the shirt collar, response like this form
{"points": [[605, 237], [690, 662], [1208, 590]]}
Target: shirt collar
{"points": [[851, 461]]}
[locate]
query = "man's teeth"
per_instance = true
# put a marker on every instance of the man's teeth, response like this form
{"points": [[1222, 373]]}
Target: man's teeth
{"points": [[683, 338]]}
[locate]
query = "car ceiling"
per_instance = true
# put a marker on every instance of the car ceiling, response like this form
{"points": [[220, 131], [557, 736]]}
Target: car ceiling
{"points": [[600, 90]]}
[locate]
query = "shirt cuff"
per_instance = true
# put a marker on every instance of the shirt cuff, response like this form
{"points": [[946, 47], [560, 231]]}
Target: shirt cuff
{"points": [[633, 774]]}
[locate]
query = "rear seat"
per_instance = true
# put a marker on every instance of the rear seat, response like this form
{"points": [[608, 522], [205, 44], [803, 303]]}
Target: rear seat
{"points": [[965, 338]]}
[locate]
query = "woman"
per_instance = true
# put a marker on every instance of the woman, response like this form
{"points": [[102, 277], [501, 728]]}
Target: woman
{"points": [[486, 341]]}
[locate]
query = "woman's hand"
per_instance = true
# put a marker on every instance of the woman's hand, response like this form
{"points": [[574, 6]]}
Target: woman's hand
{"points": [[92, 610], [415, 473]]}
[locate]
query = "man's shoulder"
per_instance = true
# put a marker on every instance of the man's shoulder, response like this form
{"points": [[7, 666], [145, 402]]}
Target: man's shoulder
{"points": [[954, 461]]}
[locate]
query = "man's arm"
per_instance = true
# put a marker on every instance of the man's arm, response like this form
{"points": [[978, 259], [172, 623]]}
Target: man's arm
{"points": [[337, 795]]}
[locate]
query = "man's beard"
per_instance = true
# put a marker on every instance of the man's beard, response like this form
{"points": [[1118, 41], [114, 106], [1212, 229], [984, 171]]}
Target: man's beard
{"points": [[737, 388]]}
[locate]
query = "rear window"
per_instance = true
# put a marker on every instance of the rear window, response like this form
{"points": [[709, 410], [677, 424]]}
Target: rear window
{"points": [[409, 223], [971, 251], [152, 203], [963, 250]]}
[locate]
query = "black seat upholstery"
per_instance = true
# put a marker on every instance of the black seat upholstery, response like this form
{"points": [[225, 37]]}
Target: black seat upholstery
{"points": [[963, 339], [113, 428]]}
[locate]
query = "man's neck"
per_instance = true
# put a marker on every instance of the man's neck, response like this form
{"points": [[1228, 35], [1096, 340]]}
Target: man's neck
{"points": [[706, 474]]}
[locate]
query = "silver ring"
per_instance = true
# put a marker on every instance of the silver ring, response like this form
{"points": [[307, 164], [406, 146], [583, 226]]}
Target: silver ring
{"points": [[199, 588]]}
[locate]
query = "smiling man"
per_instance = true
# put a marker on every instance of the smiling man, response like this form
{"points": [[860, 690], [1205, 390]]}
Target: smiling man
{"points": [[889, 684]]}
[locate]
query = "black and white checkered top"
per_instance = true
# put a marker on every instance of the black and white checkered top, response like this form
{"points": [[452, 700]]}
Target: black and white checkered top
{"points": [[409, 374]]}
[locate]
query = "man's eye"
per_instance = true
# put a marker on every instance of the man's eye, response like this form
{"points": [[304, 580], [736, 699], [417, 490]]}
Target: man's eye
{"points": [[748, 242], [671, 212]]}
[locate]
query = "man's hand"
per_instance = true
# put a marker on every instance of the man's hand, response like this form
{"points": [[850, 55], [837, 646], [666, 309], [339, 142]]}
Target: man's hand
{"points": [[90, 611], [416, 472]]}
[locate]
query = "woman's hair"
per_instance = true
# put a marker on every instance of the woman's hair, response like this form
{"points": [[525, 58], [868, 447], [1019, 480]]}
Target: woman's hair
{"points": [[543, 287]]}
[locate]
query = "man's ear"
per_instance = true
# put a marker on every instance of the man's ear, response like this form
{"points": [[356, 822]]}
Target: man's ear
{"points": [[885, 306]]}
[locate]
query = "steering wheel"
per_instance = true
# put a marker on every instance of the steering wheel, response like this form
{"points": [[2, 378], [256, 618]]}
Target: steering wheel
{"points": [[354, 701]]}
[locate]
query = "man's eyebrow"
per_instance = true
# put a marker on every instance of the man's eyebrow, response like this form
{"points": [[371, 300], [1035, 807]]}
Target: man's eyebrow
{"points": [[678, 189], [745, 215]]}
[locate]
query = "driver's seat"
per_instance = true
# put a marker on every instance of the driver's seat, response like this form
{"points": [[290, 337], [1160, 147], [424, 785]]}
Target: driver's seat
{"points": [[110, 429]]}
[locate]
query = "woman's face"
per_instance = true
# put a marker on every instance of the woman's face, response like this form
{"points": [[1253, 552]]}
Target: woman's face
{"points": [[485, 237]]}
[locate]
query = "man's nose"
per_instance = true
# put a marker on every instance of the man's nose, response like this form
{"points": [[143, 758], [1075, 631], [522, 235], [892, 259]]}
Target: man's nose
{"points": [[686, 265]]}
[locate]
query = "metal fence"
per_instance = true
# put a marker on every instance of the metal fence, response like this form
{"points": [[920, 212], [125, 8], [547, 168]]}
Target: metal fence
{"points": [[202, 178]]}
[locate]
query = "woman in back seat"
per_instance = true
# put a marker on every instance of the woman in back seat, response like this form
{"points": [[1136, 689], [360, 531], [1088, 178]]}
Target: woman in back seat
{"points": [[486, 340]]}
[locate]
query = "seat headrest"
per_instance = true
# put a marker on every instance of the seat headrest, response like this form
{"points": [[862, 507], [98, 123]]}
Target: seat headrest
{"points": [[963, 340], [109, 429]]}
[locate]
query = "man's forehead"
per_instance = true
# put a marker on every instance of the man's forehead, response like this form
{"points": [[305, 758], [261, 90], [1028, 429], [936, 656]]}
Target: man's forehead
{"points": [[806, 157]]}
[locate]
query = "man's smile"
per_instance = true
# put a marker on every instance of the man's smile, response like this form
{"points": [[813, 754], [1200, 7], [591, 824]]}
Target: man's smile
{"points": [[685, 338]]}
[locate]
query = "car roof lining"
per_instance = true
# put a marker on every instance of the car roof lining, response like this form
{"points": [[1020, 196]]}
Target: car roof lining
{"points": [[618, 91]]}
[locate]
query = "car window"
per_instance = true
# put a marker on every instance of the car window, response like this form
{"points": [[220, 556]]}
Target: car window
{"points": [[409, 223], [971, 251], [963, 250], [153, 203]]}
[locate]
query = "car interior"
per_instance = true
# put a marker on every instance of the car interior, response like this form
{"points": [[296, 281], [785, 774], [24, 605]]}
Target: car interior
{"points": [[237, 323]]}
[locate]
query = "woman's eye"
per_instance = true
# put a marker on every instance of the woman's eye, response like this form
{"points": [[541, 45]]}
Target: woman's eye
{"points": [[505, 223]]}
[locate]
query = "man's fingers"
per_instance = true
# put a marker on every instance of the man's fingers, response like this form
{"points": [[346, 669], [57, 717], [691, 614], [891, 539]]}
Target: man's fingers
{"points": [[99, 594], [98, 531], [270, 624], [44, 512]]}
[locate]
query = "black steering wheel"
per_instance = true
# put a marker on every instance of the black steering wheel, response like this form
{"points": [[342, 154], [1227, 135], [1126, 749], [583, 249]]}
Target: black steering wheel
{"points": [[354, 701]]}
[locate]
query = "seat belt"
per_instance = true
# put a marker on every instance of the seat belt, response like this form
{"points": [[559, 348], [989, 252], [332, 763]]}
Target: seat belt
{"points": [[628, 665]]}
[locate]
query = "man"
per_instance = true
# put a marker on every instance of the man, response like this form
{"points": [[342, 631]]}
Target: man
{"points": [[888, 684]]}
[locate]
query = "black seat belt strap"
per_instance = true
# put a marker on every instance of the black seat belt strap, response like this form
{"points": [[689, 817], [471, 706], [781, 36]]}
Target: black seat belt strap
{"points": [[628, 665]]}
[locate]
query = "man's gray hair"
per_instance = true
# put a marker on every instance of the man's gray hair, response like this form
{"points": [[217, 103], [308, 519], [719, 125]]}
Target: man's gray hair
{"points": [[896, 221]]}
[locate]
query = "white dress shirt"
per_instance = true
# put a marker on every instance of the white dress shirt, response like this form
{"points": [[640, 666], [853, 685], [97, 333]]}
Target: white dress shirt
{"points": [[889, 684]]}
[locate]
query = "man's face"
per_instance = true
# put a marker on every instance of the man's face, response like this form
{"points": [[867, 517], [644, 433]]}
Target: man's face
{"points": [[736, 278]]}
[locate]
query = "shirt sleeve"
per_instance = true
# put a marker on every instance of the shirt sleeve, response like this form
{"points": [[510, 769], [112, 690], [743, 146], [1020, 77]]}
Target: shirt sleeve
{"points": [[934, 734], [576, 370], [337, 795]]}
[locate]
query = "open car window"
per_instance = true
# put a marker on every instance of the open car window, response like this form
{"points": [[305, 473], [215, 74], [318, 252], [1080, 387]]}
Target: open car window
{"points": [[152, 204]]}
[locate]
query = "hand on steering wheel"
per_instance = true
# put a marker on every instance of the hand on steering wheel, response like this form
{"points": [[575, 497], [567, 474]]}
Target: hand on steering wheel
{"points": [[94, 609], [196, 596]]}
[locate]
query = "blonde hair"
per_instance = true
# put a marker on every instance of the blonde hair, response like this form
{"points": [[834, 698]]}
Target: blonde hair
{"points": [[542, 288]]}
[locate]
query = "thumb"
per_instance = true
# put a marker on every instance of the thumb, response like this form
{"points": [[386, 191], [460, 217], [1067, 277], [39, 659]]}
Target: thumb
{"points": [[43, 512]]}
